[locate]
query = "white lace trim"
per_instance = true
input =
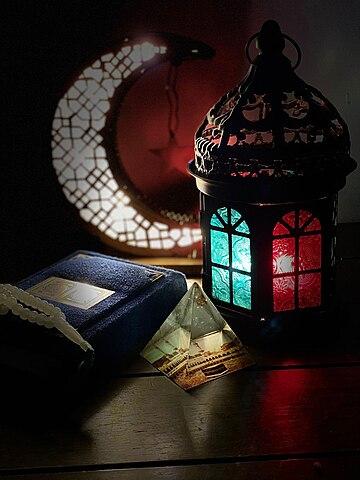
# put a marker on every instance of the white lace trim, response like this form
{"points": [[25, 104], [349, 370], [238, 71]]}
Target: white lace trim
{"points": [[35, 310]]}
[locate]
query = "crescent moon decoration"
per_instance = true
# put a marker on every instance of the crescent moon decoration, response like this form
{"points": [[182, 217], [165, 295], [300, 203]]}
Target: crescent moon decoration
{"points": [[80, 159]]}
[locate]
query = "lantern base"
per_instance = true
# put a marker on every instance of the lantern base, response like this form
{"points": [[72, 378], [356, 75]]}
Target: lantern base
{"points": [[300, 327]]}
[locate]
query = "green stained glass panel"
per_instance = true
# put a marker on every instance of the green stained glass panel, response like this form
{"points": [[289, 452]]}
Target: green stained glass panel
{"points": [[242, 290], [243, 228], [215, 221], [220, 284], [219, 247], [235, 216], [241, 255], [223, 213]]}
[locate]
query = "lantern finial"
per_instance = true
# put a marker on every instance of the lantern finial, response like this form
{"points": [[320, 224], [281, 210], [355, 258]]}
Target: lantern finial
{"points": [[270, 39]]}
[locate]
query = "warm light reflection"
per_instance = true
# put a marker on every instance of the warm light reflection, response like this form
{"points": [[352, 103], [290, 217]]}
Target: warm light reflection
{"points": [[283, 263]]}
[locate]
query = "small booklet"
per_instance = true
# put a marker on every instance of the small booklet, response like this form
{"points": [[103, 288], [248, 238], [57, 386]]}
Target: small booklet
{"points": [[115, 305]]}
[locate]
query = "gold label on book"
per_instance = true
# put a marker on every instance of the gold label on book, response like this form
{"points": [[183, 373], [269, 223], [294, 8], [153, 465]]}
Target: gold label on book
{"points": [[68, 292]]}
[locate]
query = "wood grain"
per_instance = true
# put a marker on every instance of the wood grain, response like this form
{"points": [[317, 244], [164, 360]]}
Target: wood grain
{"points": [[247, 414], [339, 468]]}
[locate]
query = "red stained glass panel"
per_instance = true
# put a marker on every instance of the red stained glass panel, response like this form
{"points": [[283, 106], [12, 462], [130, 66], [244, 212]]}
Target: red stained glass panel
{"points": [[280, 229], [309, 290], [283, 255], [309, 252], [289, 218], [313, 225], [303, 217], [283, 289]]}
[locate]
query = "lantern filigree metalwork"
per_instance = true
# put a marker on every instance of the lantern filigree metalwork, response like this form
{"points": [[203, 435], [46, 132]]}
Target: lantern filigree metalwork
{"points": [[270, 157]]}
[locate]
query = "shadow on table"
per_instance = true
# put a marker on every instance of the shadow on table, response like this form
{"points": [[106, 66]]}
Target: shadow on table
{"points": [[28, 401]]}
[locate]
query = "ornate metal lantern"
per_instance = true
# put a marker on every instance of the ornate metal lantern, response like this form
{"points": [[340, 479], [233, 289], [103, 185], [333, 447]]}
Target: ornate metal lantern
{"points": [[270, 157]]}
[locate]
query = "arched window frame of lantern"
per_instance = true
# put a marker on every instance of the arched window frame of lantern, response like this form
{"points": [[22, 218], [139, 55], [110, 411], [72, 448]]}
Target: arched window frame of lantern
{"points": [[230, 257], [297, 261], [262, 221]]}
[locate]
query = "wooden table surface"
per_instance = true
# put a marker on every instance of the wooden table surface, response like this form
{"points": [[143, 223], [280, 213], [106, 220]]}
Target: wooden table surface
{"points": [[295, 415]]}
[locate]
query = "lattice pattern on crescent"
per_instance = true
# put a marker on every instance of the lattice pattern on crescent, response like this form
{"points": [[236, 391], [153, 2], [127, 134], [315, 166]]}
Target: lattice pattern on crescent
{"points": [[80, 159]]}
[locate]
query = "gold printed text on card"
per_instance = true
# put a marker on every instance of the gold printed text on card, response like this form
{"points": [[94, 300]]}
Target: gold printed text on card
{"points": [[69, 292]]}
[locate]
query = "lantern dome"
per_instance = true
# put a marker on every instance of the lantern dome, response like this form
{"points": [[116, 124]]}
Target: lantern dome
{"points": [[273, 129]]}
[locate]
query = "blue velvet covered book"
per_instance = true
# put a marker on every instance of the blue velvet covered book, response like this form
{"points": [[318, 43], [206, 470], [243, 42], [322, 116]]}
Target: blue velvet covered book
{"points": [[116, 305]]}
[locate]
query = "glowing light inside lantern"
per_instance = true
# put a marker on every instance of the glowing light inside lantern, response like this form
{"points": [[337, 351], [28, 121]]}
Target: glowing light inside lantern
{"points": [[219, 247], [228, 228], [242, 290], [297, 261], [220, 284], [283, 255], [284, 293], [241, 256]]}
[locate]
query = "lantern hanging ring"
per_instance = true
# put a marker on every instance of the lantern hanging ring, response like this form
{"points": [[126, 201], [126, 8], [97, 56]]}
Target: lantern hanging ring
{"points": [[291, 40]]}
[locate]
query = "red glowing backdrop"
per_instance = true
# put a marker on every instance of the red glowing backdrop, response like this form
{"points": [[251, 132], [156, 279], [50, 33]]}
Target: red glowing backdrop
{"points": [[156, 166]]}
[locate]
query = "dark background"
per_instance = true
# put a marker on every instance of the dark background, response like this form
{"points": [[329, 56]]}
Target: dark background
{"points": [[46, 42]]}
